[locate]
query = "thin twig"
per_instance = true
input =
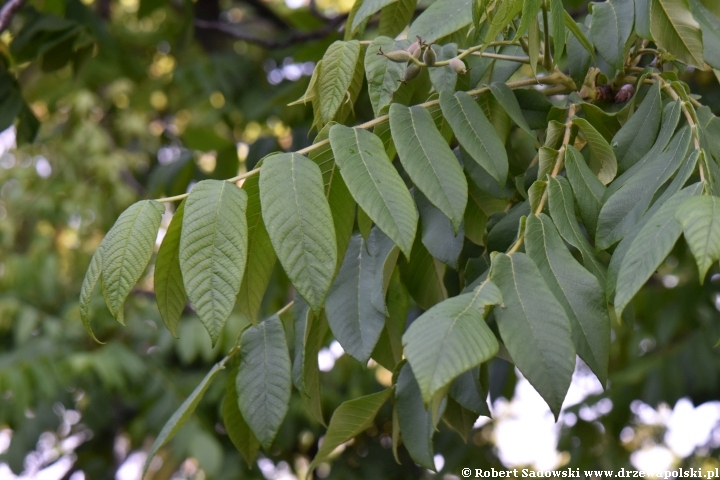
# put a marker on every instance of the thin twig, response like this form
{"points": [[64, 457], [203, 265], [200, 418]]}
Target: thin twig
{"points": [[7, 12]]}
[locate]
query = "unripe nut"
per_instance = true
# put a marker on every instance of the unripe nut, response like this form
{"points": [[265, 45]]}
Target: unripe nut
{"points": [[412, 71], [458, 66], [414, 49], [429, 57], [398, 56]]}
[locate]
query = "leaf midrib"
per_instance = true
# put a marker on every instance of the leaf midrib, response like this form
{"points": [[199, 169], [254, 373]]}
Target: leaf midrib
{"points": [[668, 19]]}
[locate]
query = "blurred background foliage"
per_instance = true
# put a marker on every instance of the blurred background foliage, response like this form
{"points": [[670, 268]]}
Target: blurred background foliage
{"points": [[141, 98]]}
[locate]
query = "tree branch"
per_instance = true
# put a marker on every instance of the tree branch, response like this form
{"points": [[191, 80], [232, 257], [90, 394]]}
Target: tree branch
{"points": [[292, 39], [7, 12]]}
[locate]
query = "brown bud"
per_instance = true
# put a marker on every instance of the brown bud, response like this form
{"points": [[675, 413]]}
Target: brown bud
{"points": [[625, 93], [398, 56], [412, 71], [458, 65], [414, 49], [603, 93], [429, 57]]}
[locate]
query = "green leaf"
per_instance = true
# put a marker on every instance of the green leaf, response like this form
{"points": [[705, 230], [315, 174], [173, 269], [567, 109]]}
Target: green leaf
{"points": [[534, 327], [336, 76], [353, 319], [642, 18], [263, 379], [505, 11], [557, 28], [475, 133], [530, 10], [605, 123], [423, 277], [535, 107], [384, 252], [700, 220], [310, 330], [710, 26], [91, 277], [364, 223], [183, 414], [612, 24], [213, 250], [651, 246], [624, 208], [348, 421], [383, 75], [441, 19], [395, 17], [450, 338], [368, 9], [535, 194], [389, 351], [261, 257], [127, 249], [467, 390], [342, 205], [459, 418], [638, 135], [602, 158], [237, 428], [497, 115], [580, 33], [562, 211], [588, 190], [311, 93], [444, 78], [375, 184], [505, 97], [299, 223], [169, 289], [577, 290], [416, 425], [674, 29], [428, 160], [621, 249], [577, 51], [503, 233], [670, 119], [437, 232]]}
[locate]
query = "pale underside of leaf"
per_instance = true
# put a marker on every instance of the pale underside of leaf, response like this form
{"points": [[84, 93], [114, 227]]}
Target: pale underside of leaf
{"points": [[450, 338], [127, 249], [349, 420], [264, 379], [169, 289], [375, 184], [299, 222], [428, 160], [534, 327], [213, 250]]}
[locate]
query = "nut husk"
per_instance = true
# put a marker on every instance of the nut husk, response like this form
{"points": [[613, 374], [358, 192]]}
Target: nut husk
{"points": [[412, 71], [429, 57], [398, 56], [458, 65]]}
